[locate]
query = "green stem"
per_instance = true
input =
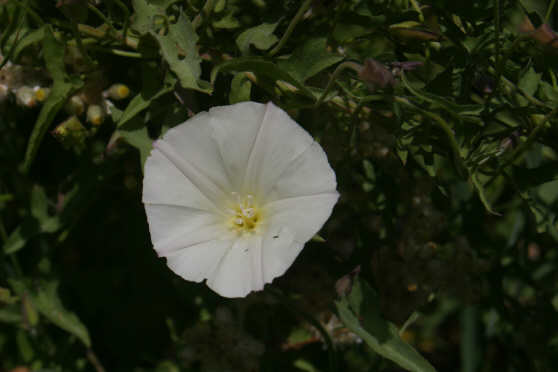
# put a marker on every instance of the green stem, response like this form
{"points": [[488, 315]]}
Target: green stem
{"points": [[549, 11], [345, 65], [103, 17], [203, 14], [126, 18], [522, 147], [500, 66], [354, 117], [335, 20], [79, 44], [29, 11], [497, 32], [290, 304], [461, 168], [291, 27], [122, 53]]}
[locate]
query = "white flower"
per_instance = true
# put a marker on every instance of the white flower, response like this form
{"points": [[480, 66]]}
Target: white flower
{"points": [[233, 194]]}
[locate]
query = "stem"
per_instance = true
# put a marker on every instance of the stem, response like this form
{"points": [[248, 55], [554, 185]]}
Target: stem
{"points": [[29, 11], [501, 65], [79, 44], [352, 65], [203, 14], [549, 11], [291, 27], [95, 361], [462, 170], [290, 304], [335, 20], [103, 17], [122, 53], [497, 32], [522, 147], [126, 17], [354, 117]]}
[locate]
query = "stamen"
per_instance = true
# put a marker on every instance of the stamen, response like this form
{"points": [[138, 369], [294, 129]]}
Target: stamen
{"points": [[232, 212], [249, 212], [236, 197], [239, 221], [250, 200]]}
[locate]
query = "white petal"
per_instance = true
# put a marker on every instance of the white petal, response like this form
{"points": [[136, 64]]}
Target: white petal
{"points": [[280, 140], [200, 261], [240, 269], [280, 251], [235, 129], [192, 148], [308, 174], [174, 227], [164, 183], [304, 215]]}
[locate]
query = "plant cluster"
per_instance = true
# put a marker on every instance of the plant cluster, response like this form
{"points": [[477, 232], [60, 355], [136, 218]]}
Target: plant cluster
{"points": [[438, 118]]}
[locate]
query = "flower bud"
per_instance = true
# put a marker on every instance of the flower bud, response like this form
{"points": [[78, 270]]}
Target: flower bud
{"points": [[397, 67], [411, 36], [509, 143], [484, 83], [118, 91], [375, 75], [41, 93], [74, 106], [25, 96], [95, 114], [546, 36], [70, 133], [74, 10]]}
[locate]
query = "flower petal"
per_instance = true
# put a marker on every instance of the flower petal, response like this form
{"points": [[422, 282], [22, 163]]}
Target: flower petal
{"points": [[308, 174], [174, 227], [192, 148], [198, 262], [291, 223], [280, 140], [240, 269], [235, 129], [164, 183]]}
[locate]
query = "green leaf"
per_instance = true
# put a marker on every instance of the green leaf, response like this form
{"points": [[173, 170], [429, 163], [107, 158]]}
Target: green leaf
{"points": [[45, 299], [481, 192], [264, 66], [135, 133], [181, 40], [260, 36], [31, 38], [240, 89], [146, 12], [387, 19], [224, 19], [301, 67], [528, 83], [359, 311], [62, 87], [150, 91]]}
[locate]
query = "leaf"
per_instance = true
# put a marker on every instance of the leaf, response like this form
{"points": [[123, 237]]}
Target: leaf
{"points": [[359, 311], [240, 89], [150, 91], [301, 67], [46, 301], [224, 19], [135, 133], [146, 12], [32, 37], [181, 39], [260, 36], [62, 87], [481, 192], [528, 83], [466, 112], [264, 66], [387, 19]]}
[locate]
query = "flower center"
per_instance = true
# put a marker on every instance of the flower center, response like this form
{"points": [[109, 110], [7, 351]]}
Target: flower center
{"points": [[245, 216]]}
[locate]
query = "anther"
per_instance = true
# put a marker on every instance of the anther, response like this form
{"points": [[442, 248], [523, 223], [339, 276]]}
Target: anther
{"points": [[232, 212], [250, 200], [236, 197], [239, 221]]}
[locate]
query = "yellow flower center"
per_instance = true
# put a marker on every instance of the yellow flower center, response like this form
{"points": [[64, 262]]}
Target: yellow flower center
{"points": [[245, 215]]}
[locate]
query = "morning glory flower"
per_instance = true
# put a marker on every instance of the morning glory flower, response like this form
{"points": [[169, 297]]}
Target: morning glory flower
{"points": [[233, 194]]}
